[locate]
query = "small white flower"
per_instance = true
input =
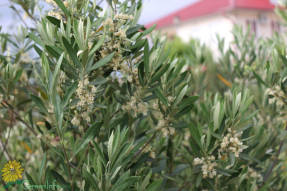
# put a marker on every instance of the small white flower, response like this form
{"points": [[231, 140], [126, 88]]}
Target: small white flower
{"points": [[171, 130], [75, 121], [121, 33], [170, 98], [130, 78], [197, 161]]}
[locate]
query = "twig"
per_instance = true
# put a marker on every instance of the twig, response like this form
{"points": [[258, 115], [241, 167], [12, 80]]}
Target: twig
{"points": [[184, 185], [65, 154], [77, 168], [24, 7], [4, 153], [8, 157], [145, 145], [275, 162], [18, 14], [18, 117]]}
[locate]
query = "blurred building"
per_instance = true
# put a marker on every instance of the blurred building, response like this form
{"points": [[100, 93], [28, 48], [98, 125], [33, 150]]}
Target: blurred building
{"points": [[206, 18]]}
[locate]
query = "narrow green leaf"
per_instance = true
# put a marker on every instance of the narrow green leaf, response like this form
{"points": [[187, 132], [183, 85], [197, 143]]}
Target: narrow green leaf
{"points": [[102, 62], [141, 73], [97, 46], [40, 104], [181, 94], [146, 58], [187, 101], [161, 96], [149, 30], [62, 6], [259, 79], [43, 163], [72, 53], [110, 145], [45, 67], [100, 153], [131, 31], [54, 21], [30, 180], [155, 186], [195, 138], [69, 94], [58, 109], [217, 115], [60, 179], [56, 74], [36, 39], [160, 72], [90, 179], [53, 51], [146, 180], [18, 74], [183, 111], [38, 50], [90, 134]]}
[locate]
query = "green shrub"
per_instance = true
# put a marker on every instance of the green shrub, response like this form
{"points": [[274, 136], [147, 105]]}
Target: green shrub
{"points": [[100, 106]]}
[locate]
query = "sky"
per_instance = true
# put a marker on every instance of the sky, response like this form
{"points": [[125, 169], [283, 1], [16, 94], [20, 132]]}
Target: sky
{"points": [[155, 9], [152, 10]]}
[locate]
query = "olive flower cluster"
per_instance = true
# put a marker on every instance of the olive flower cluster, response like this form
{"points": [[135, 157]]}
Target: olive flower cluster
{"points": [[135, 106], [208, 165], [231, 143], [253, 174], [163, 123], [164, 126], [276, 95], [122, 16], [78, 117], [51, 2], [116, 39], [85, 93]]}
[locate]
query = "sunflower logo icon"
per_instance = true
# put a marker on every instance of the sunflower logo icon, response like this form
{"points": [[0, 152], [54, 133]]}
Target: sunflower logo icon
{"points": [[12, 171]]}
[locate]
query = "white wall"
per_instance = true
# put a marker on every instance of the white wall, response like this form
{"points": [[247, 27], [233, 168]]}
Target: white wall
{"points": [[263, 20], [205, 28]]}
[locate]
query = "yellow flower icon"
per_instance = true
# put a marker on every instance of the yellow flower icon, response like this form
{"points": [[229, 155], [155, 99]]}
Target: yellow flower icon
{"points": [[12, 171]]}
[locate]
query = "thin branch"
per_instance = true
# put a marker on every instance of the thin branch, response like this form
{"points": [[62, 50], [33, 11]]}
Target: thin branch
{"points": [[65, 155], [4, 146], [142, 149], [18, 117], [184, 186], [145, 145], [18, 14], [4, 153], [24, 7], [275, 162]]}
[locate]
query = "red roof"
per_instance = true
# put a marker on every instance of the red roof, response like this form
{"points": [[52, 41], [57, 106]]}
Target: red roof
{"points": [[205, 7]]}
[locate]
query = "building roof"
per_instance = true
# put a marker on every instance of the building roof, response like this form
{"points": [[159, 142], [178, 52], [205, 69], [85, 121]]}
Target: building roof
{"points": [[206, 7]]}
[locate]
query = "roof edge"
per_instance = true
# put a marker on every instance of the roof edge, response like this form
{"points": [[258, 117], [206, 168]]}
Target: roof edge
{"points": [[204, 7]]}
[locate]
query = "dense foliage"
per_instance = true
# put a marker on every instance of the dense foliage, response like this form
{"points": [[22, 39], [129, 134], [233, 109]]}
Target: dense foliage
{"points": [[95, 101]]}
